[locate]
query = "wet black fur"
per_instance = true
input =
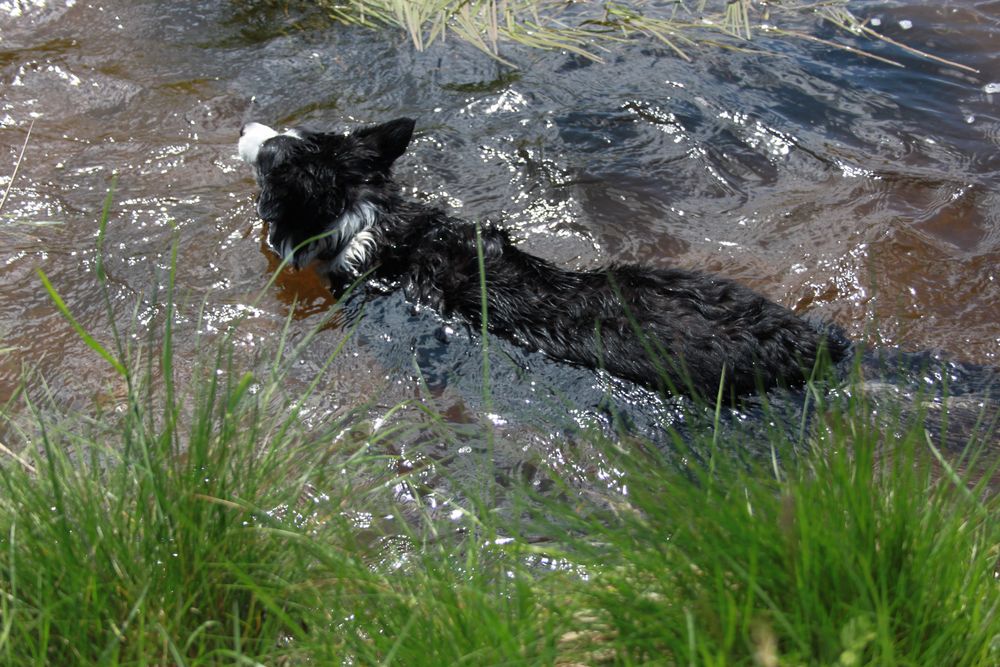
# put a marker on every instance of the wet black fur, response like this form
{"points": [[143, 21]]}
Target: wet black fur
{"points": [[671, 329]]}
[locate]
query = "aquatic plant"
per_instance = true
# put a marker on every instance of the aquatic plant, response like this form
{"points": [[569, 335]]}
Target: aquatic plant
{"points": [[588, 28]]}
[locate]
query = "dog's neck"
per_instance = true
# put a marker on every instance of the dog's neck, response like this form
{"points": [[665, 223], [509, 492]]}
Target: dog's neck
{"points": [[355, 236], [376, 232]]}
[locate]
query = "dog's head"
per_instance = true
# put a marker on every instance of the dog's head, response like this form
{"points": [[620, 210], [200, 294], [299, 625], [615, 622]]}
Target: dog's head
{"points": [[318, 184]]}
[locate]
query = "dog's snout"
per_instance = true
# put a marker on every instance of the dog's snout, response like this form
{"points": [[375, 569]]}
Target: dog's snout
{"points": [[243, 129]]}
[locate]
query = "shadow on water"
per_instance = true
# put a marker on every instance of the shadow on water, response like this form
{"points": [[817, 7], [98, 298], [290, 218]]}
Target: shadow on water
{"points": [[864, 194]]}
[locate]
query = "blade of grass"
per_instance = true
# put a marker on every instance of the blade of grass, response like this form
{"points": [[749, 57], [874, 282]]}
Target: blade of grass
{"points": [[17, 165], [81, 332]]}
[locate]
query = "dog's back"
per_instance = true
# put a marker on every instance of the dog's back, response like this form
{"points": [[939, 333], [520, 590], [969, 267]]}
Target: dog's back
{"points": [[671, 329]]}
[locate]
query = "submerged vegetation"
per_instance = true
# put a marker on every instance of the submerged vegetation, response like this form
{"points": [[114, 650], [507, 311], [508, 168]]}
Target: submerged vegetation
{"points": [[211, 523], [589, 28]]}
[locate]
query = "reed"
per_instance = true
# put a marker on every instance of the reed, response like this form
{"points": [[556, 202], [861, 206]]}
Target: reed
{"points": [[588, 29]]}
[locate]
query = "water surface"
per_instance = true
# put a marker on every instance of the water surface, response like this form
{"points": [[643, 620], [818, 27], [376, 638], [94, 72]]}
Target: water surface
{"points": [[845, 188]]}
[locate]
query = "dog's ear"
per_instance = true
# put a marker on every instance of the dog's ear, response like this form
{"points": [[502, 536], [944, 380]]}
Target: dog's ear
{"points": [[388, 140]]}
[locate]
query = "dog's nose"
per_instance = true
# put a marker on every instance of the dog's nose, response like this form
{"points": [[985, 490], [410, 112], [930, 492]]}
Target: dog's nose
{"points": [[243, 128]]}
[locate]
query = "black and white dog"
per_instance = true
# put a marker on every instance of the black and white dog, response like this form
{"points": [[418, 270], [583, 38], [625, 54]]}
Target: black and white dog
{"points": [[669, 329]]}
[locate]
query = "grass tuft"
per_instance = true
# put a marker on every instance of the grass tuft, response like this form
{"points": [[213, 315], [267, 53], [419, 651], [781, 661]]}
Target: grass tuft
{"points": [[857, 553]]}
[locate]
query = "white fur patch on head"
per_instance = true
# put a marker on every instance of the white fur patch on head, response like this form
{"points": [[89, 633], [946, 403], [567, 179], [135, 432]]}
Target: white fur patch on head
{"points": [[253, 135]]}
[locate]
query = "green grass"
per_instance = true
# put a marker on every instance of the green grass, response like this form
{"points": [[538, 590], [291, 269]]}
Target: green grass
{"points": [[210, 523], [845, 559]]}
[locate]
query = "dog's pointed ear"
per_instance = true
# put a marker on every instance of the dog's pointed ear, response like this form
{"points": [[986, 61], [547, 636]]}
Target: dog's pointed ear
{"points": [[388, 140]]}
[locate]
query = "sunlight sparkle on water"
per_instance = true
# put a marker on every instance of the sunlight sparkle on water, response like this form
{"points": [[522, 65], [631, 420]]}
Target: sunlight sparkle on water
{"points": [[18, 8]]}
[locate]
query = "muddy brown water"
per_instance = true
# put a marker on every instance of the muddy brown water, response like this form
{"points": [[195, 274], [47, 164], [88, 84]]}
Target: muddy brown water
{"points": [[858, 192]]}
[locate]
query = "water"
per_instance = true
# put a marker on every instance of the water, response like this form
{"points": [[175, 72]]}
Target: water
{"points": [[843, 187]]}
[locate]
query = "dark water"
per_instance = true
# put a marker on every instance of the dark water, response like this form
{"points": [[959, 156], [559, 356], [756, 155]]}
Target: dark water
{"points": [[854, 191]]}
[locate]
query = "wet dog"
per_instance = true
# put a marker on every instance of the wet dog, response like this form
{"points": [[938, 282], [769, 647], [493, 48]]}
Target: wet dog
{"points": [[330, 198]]}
